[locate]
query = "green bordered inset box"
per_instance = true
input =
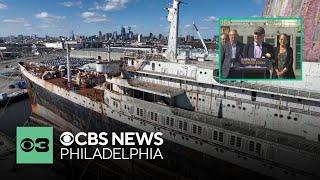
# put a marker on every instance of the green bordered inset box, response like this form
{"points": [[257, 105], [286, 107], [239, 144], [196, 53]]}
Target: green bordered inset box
{"points": [[232, 67], [34, 145]]}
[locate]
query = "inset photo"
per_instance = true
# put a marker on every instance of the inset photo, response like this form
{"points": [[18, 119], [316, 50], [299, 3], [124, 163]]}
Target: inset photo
{"points": [[260, 48]]}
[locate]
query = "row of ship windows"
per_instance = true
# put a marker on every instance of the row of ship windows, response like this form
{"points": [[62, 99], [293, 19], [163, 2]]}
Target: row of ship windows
{"points": [[233, 106], [115, 104], [154, 116], [194, 98], [276, 115], [288, 117], [217, 135], [153, 67]]}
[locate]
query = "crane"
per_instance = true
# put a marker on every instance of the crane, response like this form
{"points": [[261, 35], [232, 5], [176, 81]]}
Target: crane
{"points": [[203, 44]]}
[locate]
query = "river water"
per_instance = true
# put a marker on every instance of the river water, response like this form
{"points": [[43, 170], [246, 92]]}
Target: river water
{"points": [[14, 115]]}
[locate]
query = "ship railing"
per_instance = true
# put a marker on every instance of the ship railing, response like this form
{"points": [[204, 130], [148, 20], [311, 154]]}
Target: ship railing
{"points": [[280, 90], [275, 106], [167, 75]]}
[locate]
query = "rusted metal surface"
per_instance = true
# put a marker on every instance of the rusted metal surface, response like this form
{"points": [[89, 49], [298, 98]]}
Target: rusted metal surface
{"points": [[92, 93]]}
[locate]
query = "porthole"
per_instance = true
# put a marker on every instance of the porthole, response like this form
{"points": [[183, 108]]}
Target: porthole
{"points": [[244, 108], [228, 105], [281, 116], [289, 117], [295, 119], [275, 115]]}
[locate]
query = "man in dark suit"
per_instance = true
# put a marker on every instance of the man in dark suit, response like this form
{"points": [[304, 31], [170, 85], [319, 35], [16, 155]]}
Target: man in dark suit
{"points": [[259, 49], [230, 55]]}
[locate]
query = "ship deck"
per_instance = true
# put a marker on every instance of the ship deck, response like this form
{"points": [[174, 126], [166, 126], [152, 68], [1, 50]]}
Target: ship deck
{"points": [[252, 130], [161, 90], [274, 106], [279, 90], [94, 94]]}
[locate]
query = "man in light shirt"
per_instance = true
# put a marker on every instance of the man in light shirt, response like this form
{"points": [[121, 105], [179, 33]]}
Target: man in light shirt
{"points": [[259, 49], [230, 55]]}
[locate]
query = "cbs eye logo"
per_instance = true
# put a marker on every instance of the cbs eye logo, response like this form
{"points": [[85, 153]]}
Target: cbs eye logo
{"points": [[40, 145], [66, 138]]}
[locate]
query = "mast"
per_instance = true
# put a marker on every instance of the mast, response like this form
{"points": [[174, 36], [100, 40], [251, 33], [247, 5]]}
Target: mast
{"points": [[68, 66], [173, 18], [109, 57]]}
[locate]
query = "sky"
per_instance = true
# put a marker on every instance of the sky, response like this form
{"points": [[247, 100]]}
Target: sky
{"points": [[88, 17]]}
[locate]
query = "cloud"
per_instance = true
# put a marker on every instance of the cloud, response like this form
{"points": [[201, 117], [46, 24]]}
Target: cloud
{"points": [[17, 21], [257, 1], [45, 26], [187, 26], [71, 3], [112, 5], [211, 18], [255, 15], [3, 6], [132, 26], [204, 28], [91, 17], [49, 17]]}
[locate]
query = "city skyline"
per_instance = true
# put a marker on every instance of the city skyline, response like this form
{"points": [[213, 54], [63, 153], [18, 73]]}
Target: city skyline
{"points": [[55, 18]]}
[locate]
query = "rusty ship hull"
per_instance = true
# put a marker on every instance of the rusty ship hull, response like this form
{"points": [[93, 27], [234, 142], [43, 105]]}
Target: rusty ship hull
{"points": [[66, 115], [86, 110]]}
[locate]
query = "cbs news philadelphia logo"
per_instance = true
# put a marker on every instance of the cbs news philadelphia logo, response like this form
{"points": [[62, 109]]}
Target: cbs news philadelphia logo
{"points": [[34, 145]]}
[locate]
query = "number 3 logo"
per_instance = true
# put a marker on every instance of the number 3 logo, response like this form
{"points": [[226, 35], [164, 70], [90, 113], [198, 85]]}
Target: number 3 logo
{"points": [[40, 145]]}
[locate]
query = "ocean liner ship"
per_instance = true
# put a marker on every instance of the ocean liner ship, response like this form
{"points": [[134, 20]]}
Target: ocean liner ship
{"points": [[272, 129]]}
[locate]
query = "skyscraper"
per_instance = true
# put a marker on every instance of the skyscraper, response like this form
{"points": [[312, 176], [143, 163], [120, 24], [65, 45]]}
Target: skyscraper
{"points": [[123, 31], [100, 36], [72, 35], [130, 33]]}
